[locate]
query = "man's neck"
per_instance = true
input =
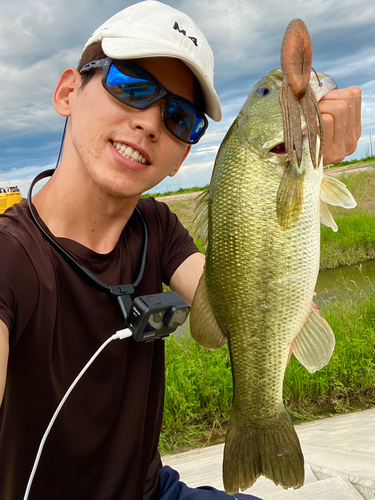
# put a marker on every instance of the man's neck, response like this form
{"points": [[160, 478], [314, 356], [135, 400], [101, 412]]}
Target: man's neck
{"points": [[92, 218]]}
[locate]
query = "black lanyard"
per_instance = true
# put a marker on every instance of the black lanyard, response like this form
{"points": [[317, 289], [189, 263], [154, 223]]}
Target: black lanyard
{"points": [[120, 292]]}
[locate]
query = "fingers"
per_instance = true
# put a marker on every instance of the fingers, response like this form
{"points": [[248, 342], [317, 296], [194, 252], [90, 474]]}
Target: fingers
{"points": [[341, 112]]}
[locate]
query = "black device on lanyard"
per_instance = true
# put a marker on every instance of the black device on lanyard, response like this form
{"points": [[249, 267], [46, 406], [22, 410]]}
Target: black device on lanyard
{"points": [[149, 317]]}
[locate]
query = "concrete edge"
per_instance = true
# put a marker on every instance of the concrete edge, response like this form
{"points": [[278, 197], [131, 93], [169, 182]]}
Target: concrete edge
{"points": [[366, 487]]}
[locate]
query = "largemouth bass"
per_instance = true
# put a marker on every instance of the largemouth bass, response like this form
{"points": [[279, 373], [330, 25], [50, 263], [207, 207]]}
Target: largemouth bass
{"points": [[260, 218]]}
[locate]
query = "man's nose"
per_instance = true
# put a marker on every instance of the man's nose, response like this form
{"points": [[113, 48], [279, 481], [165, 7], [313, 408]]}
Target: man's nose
{"points": [[150, 120]]}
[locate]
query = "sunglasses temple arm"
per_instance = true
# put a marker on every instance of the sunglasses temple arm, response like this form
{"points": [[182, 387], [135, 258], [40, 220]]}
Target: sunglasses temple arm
{"points": [[62, 142]]}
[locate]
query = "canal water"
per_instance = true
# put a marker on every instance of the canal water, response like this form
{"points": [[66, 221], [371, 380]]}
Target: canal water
{"points": [[335, 281]]}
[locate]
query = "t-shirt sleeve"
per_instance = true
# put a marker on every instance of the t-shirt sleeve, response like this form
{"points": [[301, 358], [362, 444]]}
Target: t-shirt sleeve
{"points": [[177, 244], [18, 285]]}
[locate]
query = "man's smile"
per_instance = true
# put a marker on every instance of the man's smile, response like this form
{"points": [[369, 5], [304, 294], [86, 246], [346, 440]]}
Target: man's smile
{"points": [[130, 153]]}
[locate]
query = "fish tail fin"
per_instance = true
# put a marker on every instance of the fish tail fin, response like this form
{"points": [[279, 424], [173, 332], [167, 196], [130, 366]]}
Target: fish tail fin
{"points": [[253, 450]]}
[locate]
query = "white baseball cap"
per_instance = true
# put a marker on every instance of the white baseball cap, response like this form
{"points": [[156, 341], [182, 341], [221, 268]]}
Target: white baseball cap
{"points": [[153, 29]]}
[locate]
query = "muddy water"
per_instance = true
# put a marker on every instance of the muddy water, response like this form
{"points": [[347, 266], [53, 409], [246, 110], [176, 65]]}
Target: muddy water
{"points": [[333, 281]]}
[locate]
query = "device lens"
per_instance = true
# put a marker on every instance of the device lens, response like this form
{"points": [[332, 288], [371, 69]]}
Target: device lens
{"points": [[179, 317], [156, 320]]}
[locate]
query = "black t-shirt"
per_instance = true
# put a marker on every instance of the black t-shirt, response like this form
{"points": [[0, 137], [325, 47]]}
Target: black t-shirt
{"points": [[103, 444]]}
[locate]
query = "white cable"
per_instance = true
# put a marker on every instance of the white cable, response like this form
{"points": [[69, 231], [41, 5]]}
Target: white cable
{"points": [[121, 334]]}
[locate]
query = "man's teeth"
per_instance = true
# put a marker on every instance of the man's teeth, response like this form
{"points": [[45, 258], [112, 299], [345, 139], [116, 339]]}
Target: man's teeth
{"points": [[130, 153]]}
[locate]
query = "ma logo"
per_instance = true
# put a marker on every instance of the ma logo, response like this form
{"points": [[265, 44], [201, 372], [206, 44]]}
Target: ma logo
{"points": [[177, 28]]}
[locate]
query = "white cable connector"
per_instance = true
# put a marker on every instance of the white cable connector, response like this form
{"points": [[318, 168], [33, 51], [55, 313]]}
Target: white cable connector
{"points": [[121, 334]]}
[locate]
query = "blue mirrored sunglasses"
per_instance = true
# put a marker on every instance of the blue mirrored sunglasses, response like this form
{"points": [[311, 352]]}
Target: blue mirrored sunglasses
{"points": [[137, 88]]}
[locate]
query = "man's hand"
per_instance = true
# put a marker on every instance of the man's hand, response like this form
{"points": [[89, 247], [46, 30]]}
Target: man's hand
{"points": [[341, 111]]}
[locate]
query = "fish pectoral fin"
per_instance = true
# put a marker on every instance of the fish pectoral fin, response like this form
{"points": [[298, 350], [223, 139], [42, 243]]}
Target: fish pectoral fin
{"points": [[289, 197], [203, 325], [326, 217], [201, 216], [335, 192], [315, 343]]}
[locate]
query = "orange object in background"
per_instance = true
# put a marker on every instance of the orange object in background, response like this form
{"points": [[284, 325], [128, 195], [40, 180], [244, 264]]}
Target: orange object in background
{"points": [[8, 197]]}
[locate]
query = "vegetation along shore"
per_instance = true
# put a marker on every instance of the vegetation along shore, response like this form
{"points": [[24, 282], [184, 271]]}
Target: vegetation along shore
{"points": [[199, 383]]}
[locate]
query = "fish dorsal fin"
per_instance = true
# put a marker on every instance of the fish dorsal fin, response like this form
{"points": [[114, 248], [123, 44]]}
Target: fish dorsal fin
{"points": [[203, 325], [201, 216], [335, 192], [315, 343], [326, 217]]}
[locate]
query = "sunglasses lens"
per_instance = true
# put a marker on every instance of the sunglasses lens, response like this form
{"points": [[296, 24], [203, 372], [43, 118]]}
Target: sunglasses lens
{"points": [[184, 121], [131, 87]]}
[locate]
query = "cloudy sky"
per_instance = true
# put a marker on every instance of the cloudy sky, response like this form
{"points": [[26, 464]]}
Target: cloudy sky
{"points": [[40, 38]]}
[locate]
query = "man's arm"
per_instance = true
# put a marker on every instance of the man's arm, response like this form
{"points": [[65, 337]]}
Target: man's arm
{"points": [[4, 352], [341, 112], [186, 277]]}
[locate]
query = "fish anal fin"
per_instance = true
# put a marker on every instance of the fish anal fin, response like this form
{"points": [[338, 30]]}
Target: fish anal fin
{"points": [[253, 450], [289, 198], [335, 192], [315, 343], [203, 325]]}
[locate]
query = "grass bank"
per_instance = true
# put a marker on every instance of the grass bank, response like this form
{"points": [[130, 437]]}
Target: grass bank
{"points": [[170, 193], [199, 384]]}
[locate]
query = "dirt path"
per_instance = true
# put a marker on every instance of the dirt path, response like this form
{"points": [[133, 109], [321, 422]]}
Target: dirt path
{"points": [[349, 169], [183, 205], [177, 198]]}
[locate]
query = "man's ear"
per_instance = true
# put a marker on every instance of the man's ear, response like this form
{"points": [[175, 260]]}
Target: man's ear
{"points": [[69, 81], [176, 169]]}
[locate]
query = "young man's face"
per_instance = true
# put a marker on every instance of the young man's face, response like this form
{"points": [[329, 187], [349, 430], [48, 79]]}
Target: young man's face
{"points": [[98, 120]]}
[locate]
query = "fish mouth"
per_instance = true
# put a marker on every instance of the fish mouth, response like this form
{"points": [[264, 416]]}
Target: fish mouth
{"points": [[279, 149]]}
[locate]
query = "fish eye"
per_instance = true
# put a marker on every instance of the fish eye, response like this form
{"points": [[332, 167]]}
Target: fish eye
{"points": [[262, 91], [279, 149]]}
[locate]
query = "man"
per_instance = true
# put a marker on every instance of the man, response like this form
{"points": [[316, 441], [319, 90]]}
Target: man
{"points": [[130, 126]]}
